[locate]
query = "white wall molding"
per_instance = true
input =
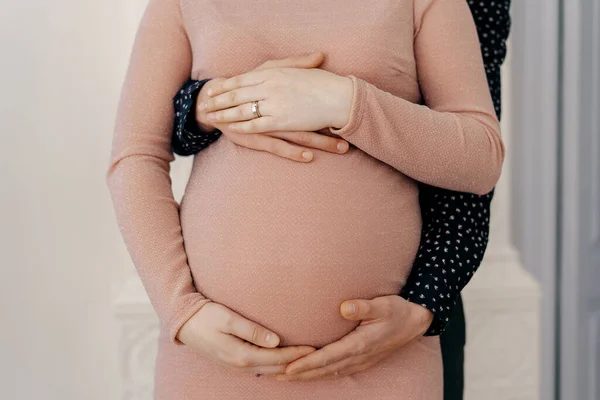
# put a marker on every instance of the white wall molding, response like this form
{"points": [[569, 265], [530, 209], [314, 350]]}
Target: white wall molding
{"points": [[138, 340], [534, 123], [579, 370], [502, 302], [502, 355]]}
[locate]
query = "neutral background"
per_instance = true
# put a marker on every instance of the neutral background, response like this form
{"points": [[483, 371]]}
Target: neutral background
{"points": [[62, 65], [62, 259]]}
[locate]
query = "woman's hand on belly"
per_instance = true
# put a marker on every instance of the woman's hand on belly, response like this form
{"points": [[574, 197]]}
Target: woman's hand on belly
{"points": [[236, 342], [290, 99], [293, 145], [388, 323]]}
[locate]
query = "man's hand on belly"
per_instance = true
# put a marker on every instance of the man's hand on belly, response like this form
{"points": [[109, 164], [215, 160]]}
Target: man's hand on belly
{"points": [[236, 342], [387, 324]]}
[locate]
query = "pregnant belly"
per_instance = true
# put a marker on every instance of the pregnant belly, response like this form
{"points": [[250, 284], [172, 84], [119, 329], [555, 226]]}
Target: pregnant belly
{"points": [[285, 243]]}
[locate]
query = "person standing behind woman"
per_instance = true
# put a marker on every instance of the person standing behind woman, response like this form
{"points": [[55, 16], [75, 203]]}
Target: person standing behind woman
{"points": [[460, 113], [192, 134]]}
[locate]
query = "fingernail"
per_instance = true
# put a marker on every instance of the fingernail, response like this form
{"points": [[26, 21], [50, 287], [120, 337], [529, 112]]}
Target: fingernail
{"points": [[349, 308], [211, 116], [342, 147], [232, 127], [307, 155], [202, 106], [268, 338], [210, 92]]}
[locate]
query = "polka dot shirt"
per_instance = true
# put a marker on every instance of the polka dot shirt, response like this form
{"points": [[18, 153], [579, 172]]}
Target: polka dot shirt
{"points": [[455, 225], [188, 139]]}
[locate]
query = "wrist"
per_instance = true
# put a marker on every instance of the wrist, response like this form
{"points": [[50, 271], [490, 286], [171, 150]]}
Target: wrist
{"points": [[345, 96], [421, 316], [194, 325], [204, 125]]}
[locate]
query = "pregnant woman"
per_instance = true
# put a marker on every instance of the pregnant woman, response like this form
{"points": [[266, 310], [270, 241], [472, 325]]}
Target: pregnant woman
{"points": [[272, 248]]}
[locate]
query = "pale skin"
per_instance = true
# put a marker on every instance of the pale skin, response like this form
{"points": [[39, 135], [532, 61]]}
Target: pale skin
{"points": [[295, 99], [294, 145], [290, 99]]}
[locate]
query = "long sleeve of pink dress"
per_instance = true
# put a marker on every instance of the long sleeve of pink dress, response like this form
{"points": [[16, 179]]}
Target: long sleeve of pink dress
{"points": [[283, 243], [453, 141], [138, 177]]}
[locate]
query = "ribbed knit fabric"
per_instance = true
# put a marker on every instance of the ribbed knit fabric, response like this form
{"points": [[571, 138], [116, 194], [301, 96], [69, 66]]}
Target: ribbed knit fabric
{"points": [[290, 241]]}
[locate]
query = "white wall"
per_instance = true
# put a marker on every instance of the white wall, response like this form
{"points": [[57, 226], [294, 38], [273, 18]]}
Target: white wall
{"points": [[61, 68], [535, 147]]}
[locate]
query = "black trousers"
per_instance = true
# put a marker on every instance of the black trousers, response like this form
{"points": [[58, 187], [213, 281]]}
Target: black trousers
{"points": [[453, 343]]}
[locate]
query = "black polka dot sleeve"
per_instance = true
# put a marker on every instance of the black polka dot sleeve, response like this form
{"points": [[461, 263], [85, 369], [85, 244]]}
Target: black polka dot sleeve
{"points": [[188, 138], [455, 225]]}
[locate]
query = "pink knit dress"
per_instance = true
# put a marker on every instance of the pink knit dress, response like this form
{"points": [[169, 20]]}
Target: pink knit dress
{"points": [[284, 243]]}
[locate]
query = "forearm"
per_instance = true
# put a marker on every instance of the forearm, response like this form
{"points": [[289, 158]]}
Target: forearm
{"points": [[453, 242], [138, 176], [148, 217], [462, 152]]}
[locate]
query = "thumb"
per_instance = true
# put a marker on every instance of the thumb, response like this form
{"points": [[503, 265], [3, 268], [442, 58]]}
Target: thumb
{"points": [[250, 331], [312, 60], [356, 310]]}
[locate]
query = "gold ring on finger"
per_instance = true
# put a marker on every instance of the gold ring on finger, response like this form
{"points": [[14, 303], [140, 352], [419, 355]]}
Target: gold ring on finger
{"points": [[256, 110]]}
